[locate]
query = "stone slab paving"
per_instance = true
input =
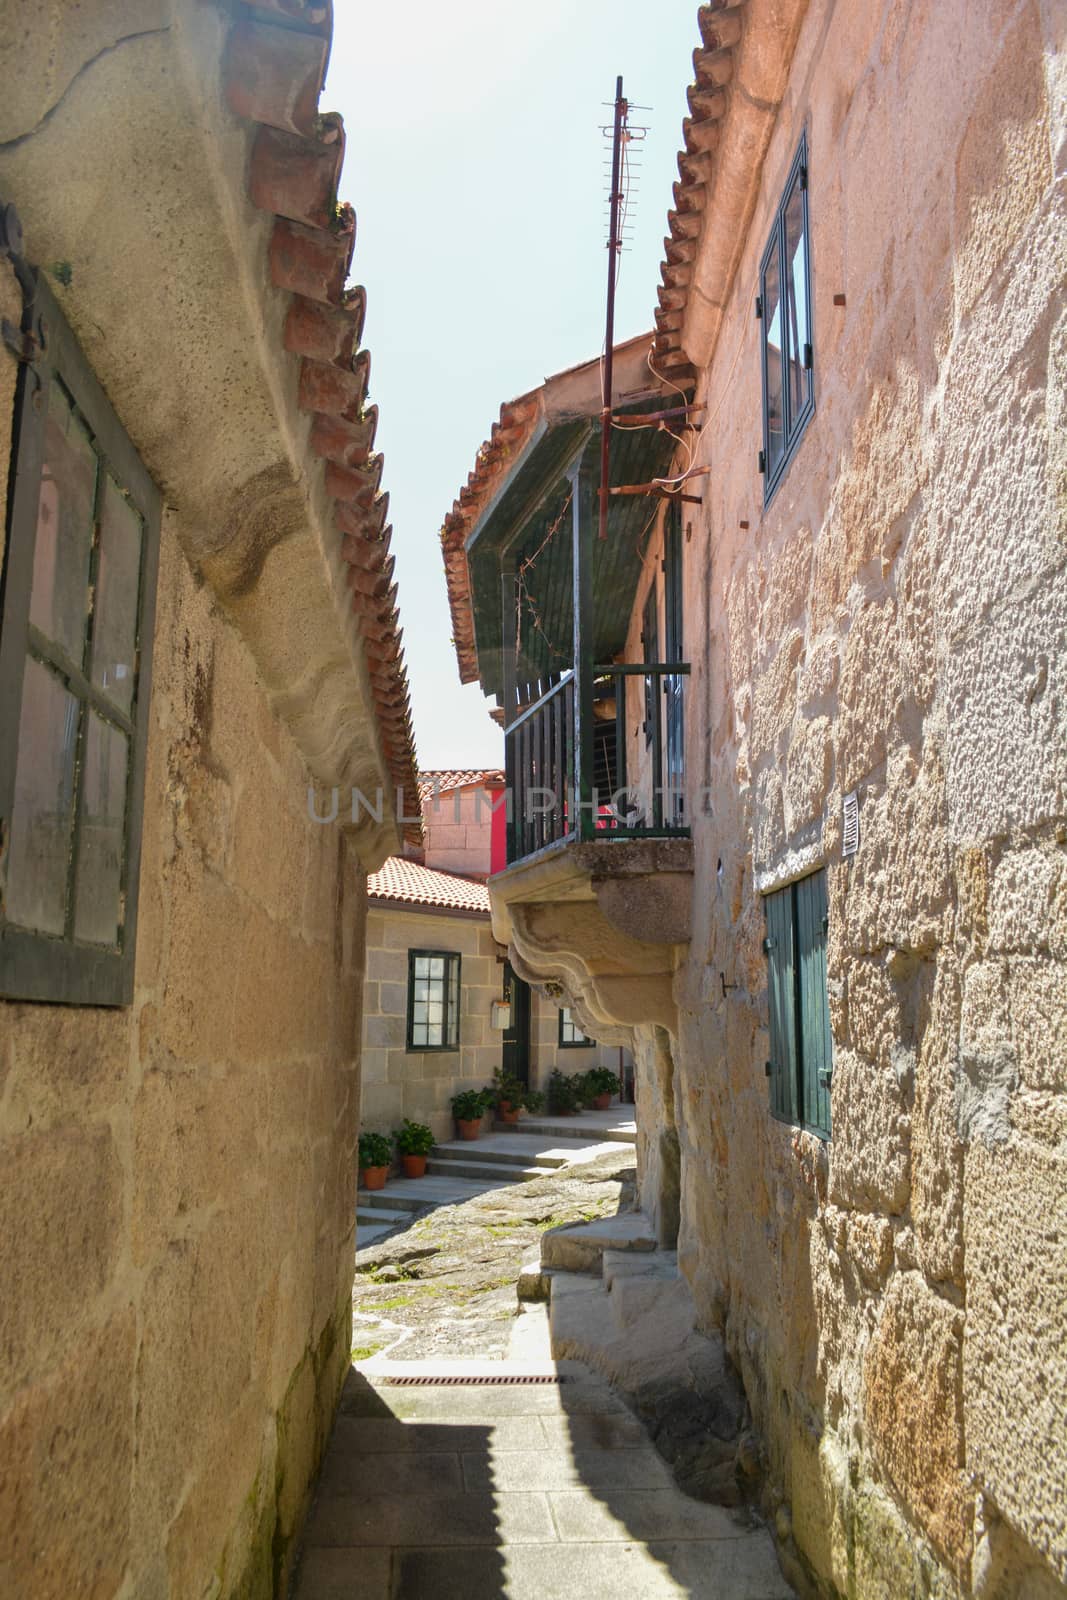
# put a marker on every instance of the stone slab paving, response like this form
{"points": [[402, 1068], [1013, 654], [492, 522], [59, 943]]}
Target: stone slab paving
{"points": [[447, 1492]]}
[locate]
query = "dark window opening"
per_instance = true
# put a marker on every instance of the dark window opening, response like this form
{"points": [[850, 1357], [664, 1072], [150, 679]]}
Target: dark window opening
{"points": [[433, 1000], [785, 323], [75, 645], [571, 1036], [801, 1052]]}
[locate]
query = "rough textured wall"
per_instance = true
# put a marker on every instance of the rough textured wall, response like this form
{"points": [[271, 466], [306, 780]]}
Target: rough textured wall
{"points": [[895, 623], [399, 1083], [458, 832], [178, 1202]]}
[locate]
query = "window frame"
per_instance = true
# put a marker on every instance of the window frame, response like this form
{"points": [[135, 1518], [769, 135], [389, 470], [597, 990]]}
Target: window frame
{"points": [[453, 960], [584, 1043], [35, 965], [800, 1068], [793, 428]]}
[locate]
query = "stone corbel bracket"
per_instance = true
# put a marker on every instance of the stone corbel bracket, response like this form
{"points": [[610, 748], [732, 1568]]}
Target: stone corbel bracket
{"points": [[600, 926]]}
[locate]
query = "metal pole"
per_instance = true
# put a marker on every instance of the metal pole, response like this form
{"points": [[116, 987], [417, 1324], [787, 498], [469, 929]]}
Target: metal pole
{"points": [[609, 340]]}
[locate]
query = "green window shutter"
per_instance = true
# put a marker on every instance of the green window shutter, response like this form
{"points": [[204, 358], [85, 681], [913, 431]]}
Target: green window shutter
{"points": [[781, 988], [815, 1045]]}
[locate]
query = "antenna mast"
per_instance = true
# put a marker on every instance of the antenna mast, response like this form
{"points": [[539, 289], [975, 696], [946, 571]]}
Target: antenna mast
{"points": [[614, 249]]}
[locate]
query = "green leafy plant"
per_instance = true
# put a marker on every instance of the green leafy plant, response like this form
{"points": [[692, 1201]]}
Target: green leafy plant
{"points": [[599, 1081], [564, 1093], [374, 1150], [507, 1090], [413, 1138], [471, 1104]]}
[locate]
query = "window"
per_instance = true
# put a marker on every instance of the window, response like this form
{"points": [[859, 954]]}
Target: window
{"points": [[674, 773], [650, 649], [75, 644], [784, 309], [801, 1057], [571, 1036], [433, 1000]]}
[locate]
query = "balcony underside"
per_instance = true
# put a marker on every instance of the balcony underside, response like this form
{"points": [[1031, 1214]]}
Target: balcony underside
{"points": [[598, 925]]}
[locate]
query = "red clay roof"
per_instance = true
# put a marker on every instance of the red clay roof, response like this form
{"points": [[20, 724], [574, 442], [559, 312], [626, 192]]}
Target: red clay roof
{"points": [[408, 882], [446, 779], [708, 95], [274, 72]]}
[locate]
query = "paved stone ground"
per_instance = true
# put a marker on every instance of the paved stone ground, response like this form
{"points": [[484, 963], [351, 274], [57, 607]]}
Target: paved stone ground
{"points": [[523, 1492], [445, 1287], [519, 1491]]}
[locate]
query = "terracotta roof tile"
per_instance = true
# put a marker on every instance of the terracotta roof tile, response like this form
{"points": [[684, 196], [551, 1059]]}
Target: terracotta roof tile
{"points": [[517, 421], [720, 27], [448, 778], [410, 883], [275, 66]]}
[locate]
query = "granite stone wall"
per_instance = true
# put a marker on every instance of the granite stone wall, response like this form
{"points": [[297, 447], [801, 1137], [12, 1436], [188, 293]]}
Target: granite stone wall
{"points": [[399, 1083], [895, 624], [178, 1206]]}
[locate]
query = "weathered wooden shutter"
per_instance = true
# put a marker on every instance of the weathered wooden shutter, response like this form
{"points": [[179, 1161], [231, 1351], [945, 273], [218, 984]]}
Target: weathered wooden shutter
{"points": [[815, 1044], [781, 989]]}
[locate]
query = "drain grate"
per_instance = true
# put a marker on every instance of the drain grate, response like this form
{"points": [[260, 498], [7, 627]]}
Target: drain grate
{"points": [[481, 1381]]}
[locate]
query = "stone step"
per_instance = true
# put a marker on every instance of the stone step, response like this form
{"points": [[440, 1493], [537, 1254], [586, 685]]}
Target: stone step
{"points": [[382, 1214], [589, 1132], [522, 1153], [382, 1200], [490, 1171], [580, 1246]]}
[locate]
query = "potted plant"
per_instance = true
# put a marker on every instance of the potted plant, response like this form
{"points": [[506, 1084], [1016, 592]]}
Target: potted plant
{"points": [[598, 1086], [468, 1108], [564, 1094], [510, 1096], [414, 1141], [375, 1159]]}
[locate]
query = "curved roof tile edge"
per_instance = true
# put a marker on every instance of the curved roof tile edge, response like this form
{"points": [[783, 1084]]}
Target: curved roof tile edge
{"points": [[274, 71]]}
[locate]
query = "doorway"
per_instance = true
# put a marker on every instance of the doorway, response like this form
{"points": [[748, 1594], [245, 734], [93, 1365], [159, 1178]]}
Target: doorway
{"points": [[515, 1058]]}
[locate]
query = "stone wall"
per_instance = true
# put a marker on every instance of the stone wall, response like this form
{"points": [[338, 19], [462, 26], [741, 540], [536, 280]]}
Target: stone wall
{"points": [[894, 623], [399, 1083], [178, 1203], [457, 831]]}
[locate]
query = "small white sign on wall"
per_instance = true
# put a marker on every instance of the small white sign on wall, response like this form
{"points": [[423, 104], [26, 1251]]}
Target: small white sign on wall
{"points": [[500, 1015]]}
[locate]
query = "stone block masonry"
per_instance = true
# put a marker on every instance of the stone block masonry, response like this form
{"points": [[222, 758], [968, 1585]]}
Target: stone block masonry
{"points": [[179, 1200]]}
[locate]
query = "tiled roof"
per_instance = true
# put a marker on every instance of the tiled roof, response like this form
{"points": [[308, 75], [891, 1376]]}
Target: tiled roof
{"points": [[713, 65], [447, 779], [509, 435], [274, 72], [410, 883]]}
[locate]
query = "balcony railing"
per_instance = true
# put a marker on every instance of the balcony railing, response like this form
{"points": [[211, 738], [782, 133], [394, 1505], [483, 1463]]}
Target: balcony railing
{"points": [[553, 795]]}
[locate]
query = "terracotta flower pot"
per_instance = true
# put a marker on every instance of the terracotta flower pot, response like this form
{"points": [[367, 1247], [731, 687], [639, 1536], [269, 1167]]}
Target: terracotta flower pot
{"points": [[414, 1166], [506, 1112], [373, 1177], [602, 1102], [469, 1130]]}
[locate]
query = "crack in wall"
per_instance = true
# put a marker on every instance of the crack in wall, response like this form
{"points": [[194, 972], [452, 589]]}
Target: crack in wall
{"points": [[127, 38]]}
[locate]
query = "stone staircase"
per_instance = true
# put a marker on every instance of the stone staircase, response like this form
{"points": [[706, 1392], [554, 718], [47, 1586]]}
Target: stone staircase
{"points": [[620, 1305]]}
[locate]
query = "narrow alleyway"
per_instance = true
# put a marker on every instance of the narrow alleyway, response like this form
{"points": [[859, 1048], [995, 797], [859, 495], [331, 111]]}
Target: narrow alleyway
{"points": [[459, 1491], [465, 1462]]}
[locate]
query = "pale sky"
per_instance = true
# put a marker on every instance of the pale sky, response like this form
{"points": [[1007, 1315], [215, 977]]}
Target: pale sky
{"points": [[475, 163]]}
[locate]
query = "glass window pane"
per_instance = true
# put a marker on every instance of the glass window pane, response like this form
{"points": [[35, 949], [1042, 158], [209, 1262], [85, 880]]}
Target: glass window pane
{"points": [[772, 324], [436, 1011], [796, 306], [437, 967], [418, 1011], [60, 592], [42, 815], [117, 588], [422, 989], [418, 1034], [434, 1034], [101, 835], [422, 967]]}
